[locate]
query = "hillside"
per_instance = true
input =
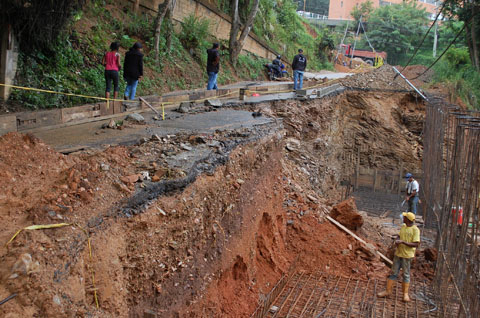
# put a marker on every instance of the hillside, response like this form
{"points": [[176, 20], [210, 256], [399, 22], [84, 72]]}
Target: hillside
{"points": [[75, 63]]}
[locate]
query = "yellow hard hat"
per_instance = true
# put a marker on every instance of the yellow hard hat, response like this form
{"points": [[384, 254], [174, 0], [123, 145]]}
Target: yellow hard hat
{"points": [[409, 216]]}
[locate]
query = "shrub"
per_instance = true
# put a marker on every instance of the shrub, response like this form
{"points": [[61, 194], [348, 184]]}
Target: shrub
{"points": [[194, 32]]}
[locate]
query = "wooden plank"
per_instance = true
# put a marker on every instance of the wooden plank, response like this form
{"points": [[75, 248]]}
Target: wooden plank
{"points": [[104, 110], [80, 112], [30, 120], [150, 106], [8, 123], [386, 259]]}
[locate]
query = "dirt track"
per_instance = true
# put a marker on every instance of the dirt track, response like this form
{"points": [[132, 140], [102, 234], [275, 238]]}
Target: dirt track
{"points": [[205, 238]]}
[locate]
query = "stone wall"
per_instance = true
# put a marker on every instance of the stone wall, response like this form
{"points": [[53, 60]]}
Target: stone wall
{"points": [[220, 23]]}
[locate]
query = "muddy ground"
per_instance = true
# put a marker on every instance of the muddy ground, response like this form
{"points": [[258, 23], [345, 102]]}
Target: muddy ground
{"points": [[193, 225]]}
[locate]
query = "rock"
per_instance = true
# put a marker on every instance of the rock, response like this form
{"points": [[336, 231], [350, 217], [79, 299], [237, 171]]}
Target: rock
{"points": [[130, 179], [240, 181], [431, 254], [144, 175], [155, 137], [24, 266], [292, 144], [56, 300], [345, 251], [256, 114], [155, 178], [149, 314], [136, 118], [184, 107], [290, 222], [104, 167], [369, 250], [213, 102], [312, 198], [185, 147], [347, 214], [111, 124]]}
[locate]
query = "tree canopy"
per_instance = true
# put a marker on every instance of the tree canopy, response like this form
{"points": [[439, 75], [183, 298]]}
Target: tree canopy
{"points": [[397, 29]]}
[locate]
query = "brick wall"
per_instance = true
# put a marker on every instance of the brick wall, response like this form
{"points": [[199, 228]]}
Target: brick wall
{"points": [[341, 9]]}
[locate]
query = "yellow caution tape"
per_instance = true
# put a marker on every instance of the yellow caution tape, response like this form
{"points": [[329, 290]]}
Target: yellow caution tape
{"points": [[37, 227], [57, 225]]}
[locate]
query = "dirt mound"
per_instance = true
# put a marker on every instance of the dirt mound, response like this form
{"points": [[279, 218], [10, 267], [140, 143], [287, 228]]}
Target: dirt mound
{"points": [[347, 214], [380, 78]]}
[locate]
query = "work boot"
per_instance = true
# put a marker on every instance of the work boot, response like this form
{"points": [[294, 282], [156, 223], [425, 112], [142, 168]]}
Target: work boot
{"points": [[389, 289], [405, 287]]}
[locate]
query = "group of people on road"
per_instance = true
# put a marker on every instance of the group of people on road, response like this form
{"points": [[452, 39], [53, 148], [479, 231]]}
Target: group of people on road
{"points": [[299, 65], [132, 70]]}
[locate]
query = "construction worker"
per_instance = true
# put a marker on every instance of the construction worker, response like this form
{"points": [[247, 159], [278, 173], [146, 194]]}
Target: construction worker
{"points": [[406, 243], [412, 193]]}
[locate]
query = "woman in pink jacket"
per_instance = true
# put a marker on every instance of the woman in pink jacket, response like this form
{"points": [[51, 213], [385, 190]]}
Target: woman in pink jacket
{"points": [[111, 61]]}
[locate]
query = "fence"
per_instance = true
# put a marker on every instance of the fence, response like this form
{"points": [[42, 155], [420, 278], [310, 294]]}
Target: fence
{"points": [[451, 166]]}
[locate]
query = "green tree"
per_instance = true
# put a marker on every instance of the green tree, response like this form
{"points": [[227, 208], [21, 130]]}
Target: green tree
{"points": [[468, 11], [363, 10], [397, 29]]}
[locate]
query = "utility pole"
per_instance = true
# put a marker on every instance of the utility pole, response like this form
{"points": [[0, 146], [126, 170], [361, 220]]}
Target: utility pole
{"points": [[435, 35], [304, 6], [355, 42]]}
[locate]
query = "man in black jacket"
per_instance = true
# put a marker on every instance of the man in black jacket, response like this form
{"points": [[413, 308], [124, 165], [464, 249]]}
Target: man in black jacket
{"points": [[299, 65], [133, 69], [213, 66]]}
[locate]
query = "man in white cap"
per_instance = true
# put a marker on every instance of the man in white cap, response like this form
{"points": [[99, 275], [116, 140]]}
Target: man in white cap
{"points": [[406, 242], [412, 193]]}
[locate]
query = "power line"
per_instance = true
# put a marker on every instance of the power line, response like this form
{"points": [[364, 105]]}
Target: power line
{"points": [[451, 43], [425, 36]]}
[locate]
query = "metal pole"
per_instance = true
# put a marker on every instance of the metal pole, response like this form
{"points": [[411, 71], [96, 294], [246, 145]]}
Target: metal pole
{"points": [[355, 42], [435, 34], [408, 82]]}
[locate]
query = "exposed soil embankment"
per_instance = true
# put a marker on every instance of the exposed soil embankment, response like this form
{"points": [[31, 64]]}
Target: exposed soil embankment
{"points": [[193, 225]]}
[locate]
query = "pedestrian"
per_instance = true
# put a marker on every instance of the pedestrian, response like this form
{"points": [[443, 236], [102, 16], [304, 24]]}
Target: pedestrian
{"points": [[111, 62], [406, 243], [133, 70], [213, 66], [412, 193], [299, 65]]}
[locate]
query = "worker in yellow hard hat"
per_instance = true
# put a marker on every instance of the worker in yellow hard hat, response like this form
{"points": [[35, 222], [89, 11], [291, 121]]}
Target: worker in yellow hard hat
{"points": [[406, 242]]}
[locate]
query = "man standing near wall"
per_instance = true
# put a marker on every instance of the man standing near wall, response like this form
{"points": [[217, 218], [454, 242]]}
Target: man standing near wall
{"points": [[299, 65], [213, 66], [412, 193]]}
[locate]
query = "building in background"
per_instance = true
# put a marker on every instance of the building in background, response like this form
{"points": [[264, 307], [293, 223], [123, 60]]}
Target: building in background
{"points": [[341, 9]]}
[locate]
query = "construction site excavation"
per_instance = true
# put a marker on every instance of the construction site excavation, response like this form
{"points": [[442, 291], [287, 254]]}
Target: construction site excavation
{"points": [[278, 205]]}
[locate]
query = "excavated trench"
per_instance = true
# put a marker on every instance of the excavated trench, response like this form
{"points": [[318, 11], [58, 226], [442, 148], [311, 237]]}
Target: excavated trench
{"points": [[210, 239]]}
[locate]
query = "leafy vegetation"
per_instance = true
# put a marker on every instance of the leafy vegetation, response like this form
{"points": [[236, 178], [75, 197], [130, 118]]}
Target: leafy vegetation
{"points": [[397, 29], [75, 67]]}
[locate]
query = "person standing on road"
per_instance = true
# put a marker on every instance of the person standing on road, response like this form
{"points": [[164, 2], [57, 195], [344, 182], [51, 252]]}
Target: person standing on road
{"points": [[111, 61], [299, 65], [412, 193], [133, 70], [406, 242], [213, 66]]}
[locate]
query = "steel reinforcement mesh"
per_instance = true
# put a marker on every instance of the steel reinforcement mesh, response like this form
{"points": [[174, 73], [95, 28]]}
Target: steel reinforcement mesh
{"points": [[322, 295], [451, 165]]}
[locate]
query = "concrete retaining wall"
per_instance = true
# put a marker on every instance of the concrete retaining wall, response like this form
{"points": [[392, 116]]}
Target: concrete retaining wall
{"points": [[220, 23]]}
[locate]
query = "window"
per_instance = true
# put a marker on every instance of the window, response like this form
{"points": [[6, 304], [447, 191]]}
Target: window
{"points": [[341, 4]]}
